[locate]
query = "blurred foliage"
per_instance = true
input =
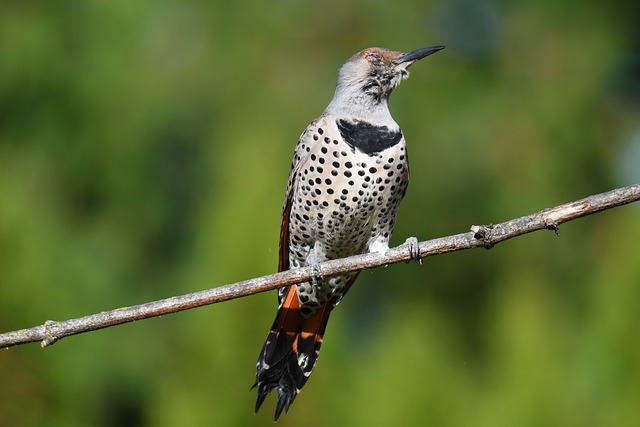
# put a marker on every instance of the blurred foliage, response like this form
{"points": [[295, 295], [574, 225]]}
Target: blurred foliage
{"points": [[144, 149]]}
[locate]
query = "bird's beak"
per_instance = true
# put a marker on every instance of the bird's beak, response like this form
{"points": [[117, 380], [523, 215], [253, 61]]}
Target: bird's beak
{"points": [[417, 54]]}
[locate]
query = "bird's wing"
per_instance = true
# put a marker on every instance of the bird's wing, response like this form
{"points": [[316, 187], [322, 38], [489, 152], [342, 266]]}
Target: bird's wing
{"points": [[299, 157]]}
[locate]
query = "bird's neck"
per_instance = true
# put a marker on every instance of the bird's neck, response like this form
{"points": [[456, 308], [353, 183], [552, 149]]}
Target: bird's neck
{"points": [[352, 103]]}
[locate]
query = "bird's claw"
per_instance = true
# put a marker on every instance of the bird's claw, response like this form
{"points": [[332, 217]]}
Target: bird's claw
{"points": [[316, 272], [414, 249]]}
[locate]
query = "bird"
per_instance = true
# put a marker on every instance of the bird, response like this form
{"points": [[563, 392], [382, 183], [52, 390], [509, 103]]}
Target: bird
{"points": [[349, 173]]}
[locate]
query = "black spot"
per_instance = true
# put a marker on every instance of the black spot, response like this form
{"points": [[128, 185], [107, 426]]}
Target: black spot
{"points": [[347, 174], [313, 157], [368, 138], [327, 139], [320, 131], [320, 169], [348, 165], [329, 190], [318, 181], [321, 160], [373, 170], [327, 181], [335, 164], [334, 172], [324, 150]]}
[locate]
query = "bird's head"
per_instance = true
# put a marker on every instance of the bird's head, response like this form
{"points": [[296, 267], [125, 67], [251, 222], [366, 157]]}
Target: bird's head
{"points": [[375, 71]]}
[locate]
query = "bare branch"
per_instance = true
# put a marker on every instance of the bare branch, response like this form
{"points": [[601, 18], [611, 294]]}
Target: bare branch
{"points": [[480, 236]]}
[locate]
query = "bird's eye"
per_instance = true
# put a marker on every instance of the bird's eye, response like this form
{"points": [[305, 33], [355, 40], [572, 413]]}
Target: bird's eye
{"points": [[374, 58]]}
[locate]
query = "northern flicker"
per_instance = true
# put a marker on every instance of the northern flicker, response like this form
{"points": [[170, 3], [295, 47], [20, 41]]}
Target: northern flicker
{"points": [[349, 172]]}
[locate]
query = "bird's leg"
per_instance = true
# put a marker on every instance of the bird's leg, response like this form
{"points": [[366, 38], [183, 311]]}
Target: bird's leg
{"points": [[316, 271], [414, 249]]}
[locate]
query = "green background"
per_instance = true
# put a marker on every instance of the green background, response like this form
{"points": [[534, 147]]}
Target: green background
{"points": [[144, 151]]}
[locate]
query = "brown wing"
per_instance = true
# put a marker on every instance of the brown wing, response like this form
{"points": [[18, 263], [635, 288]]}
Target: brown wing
{"points": [[283, 259], [300, 156]]}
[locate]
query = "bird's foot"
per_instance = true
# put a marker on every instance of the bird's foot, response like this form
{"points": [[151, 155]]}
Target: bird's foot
{"points": [[414, 249], [316, 273]]}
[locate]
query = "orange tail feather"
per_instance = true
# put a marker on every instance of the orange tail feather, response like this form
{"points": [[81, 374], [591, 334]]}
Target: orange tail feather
{"points": [[290, 352]]}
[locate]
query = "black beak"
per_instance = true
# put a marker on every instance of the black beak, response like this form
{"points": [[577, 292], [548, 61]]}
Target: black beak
{"points": [[417, 54]]}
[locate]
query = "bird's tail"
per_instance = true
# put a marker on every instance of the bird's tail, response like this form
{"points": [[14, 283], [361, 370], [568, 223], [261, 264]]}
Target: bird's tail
{"points": [[290, 351]]}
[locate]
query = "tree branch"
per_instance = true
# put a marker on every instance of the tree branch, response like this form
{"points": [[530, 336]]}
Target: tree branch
{"points": [[480, 236]]}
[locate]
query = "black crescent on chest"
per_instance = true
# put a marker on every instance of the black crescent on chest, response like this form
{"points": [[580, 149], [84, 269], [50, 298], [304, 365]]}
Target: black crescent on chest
{"points": [[368, 138]]}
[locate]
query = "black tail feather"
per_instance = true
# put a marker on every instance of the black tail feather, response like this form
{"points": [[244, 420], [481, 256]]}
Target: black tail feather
{"points": [[291, 350], [284, 369], [289, 356]]}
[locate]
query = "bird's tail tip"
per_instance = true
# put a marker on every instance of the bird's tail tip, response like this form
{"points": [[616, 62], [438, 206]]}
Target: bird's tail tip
{"points": [[290, 352], [286, 396]]}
